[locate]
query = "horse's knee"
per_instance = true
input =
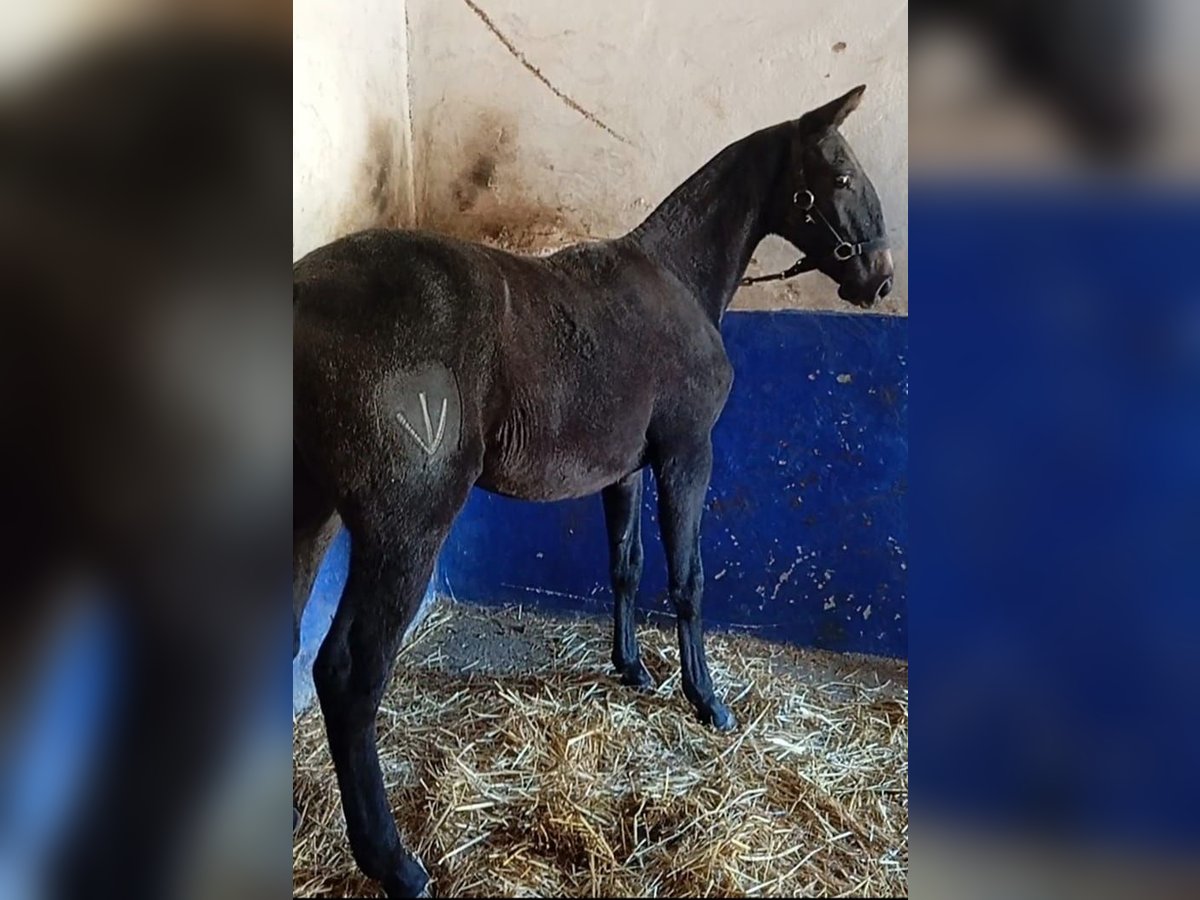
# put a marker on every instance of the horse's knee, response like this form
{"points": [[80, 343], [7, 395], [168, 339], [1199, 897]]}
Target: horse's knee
{"points": [[627, 573], [349, 684], [686, 598], [626, 580], [636, 558], [331, 673], [685, 608]]}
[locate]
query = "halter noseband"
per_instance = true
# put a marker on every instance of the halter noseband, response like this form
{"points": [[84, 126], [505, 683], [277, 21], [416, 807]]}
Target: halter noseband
{"points": [[842, 250]]}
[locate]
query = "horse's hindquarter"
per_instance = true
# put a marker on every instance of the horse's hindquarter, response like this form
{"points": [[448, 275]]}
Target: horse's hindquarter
{"points": [[590, 348], [393, 353]]}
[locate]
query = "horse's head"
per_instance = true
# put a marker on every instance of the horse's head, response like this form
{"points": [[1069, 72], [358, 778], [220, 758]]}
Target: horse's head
{"points": [[828, 207]]}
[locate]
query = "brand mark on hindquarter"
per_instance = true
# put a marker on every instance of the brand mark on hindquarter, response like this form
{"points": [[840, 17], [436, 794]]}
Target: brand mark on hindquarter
{"points": [[432, 439]]}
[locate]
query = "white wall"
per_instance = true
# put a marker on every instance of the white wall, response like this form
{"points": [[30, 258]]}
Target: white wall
{"points": [[664, 84], [351, 165]]}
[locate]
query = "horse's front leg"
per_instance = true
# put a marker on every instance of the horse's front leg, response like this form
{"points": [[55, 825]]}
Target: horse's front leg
{"points": [[682, 469], [623, 517]]}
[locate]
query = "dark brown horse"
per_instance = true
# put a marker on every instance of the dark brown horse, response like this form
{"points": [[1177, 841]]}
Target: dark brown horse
{"points": [[424, 366]]}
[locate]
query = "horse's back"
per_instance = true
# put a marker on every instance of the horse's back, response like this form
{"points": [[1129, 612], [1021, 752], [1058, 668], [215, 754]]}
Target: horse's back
{"points": [[404, 286]]}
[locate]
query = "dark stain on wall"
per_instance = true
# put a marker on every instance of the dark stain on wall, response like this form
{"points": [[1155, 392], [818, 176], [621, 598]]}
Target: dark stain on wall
{"points": [[479, 178], [382, 182], [486, 199], [386, 175], [382, 163], [490, 147]]}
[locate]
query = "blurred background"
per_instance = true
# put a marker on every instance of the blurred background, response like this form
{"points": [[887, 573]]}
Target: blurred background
{"points": [[145, 392], [1063, 87], [1054, 216]]}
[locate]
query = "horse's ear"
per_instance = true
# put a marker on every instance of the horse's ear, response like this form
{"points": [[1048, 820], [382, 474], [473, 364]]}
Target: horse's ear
{"points": [[833, 113]]}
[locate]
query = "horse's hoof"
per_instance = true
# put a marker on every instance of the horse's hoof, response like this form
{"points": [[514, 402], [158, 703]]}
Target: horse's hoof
{"points": [[410, 880], [638, 676], [718, 716]]}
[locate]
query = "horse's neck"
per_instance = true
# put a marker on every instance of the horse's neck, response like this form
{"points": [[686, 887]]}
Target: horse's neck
{"points": [[705, 231]]}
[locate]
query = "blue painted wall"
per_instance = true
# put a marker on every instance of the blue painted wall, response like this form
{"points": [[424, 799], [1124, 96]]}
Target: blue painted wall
{"points": [[804, 535], [804, 532]]}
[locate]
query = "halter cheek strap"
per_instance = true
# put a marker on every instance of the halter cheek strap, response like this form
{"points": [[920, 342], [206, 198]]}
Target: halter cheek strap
{"points": [[842, 250]]}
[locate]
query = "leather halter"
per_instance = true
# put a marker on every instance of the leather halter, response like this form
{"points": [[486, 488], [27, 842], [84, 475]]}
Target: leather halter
{"points": [[842, 250]]}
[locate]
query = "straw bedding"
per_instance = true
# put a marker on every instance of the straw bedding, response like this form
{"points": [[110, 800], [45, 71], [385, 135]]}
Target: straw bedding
{"points": [[518, 767]]}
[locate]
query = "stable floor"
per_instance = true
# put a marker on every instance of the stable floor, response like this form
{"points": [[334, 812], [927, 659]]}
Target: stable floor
{"points": [[518, 767]]}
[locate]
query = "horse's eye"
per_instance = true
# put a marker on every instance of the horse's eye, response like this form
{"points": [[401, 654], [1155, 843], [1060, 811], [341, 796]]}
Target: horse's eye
{"points": [[842, 180]]}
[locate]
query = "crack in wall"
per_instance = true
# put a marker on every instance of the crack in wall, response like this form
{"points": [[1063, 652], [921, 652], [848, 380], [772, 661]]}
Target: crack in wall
{"points": [[533, 70]]}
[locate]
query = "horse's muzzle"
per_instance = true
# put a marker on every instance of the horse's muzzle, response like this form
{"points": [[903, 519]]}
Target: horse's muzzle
{"points": [[880, 279], [869, 294]]}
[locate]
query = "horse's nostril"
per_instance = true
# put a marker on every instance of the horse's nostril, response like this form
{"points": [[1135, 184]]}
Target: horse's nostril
{"points": [[885, 288]]}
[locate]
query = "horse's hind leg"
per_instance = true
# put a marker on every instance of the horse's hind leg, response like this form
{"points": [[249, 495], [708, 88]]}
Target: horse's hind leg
{"points": [[395, 536], [623, 517]]}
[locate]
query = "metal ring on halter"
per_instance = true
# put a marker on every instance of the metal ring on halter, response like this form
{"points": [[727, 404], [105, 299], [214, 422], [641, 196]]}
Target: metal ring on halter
{"points": [[844, 251], [811, 200]]}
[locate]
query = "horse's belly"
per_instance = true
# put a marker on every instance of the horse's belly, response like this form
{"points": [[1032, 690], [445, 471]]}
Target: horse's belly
{"points": [[549, 485], [574, 460]]}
